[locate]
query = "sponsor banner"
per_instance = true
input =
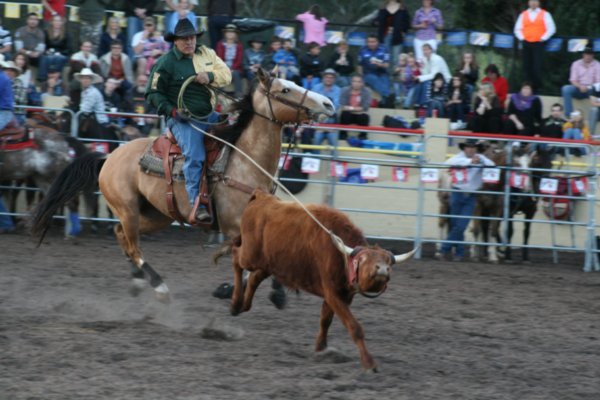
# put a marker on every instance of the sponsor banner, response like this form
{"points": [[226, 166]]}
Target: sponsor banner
{"points": [[518, 180], [368, 171], [100, 147], [576, 45], [357, 39], [490, 175], [458, 175], [548, 186], [579, 185], [284, 163], [334, 37], [339, 169], [285, 32], [479, 38], [456, 38], [503, 41], [400, 174], [430, 175], [310, 165], [553, 45]]}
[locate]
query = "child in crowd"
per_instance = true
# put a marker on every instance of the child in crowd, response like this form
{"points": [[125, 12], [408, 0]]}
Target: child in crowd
{"points": [[287, 62], [438, 97], [576, 128], [408, 79], [458, 102], [253, 57], [400, 71]]}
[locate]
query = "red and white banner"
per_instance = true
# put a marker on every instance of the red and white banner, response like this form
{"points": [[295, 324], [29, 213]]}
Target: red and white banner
{"points": [[519, 180], [100, 147], [548, 185], [368, 171], [430, 175], [310, 165], [458, 175], [338, 169], [400, 174], [579, 185], [491, 175], [287, 161]]}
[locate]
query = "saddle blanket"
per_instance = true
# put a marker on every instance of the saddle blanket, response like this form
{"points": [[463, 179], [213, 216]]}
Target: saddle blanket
{"points": [[151, 164]]}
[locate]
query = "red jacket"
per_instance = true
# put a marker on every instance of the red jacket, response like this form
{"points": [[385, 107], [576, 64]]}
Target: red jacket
{"points": [[501, 86], [239, 55]]}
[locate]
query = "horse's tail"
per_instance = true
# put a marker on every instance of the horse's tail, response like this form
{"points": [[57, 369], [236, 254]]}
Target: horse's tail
{"points": [[80, 175]]}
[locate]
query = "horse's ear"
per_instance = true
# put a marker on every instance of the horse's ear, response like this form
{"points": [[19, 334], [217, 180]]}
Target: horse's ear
{"points": [[263, 76]]}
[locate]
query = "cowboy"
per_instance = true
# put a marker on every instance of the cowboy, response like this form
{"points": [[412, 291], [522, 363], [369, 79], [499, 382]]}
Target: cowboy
{"points": [[6, 100], [186, 59], [12, 71], [92, 100], [462, 200]]}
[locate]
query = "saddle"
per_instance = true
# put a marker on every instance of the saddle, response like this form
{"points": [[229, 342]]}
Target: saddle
{"points": [[15, 137]]}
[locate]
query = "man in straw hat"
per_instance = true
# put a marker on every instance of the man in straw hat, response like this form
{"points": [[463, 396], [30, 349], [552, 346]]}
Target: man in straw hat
{"points": [[465, 181], [6, 99], [168, 74], [91, 98], [19, 90]]}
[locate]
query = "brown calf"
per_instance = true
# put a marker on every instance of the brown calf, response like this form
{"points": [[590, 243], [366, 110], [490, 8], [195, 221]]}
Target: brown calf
{"points": [[278, 238]]}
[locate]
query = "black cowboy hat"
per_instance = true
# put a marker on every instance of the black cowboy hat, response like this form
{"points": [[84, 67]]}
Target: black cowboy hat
{"points": [[472, 143], [183, 28]]}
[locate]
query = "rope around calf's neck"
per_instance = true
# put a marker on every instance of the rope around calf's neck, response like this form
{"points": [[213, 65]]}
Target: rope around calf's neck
{"points": [[337, 241]]}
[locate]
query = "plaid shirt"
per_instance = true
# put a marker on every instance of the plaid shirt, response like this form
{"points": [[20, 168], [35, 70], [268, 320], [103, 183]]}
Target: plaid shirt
{"points": [[19, 93]]}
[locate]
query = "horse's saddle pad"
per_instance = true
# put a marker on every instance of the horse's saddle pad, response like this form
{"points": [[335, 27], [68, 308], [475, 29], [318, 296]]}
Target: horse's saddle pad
{"points": [[13, 133], [151, 161]]}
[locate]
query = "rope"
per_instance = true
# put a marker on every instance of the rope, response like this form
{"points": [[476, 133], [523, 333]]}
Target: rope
{"points": [[214, 91]]}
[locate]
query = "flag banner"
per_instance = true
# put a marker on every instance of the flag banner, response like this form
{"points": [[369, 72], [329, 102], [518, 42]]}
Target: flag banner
{"points": [[284, 32], [553, 45], [339, 169], [400, 174], [310, 165], [579, 185], [479, 38], [12, 10], [503, 41], [430, 175], [456, 38], [490, 175], [357, 39], [334, 37], [576, 45], [284, 163], [548, 186], [409, 39], [518, 180], [459, 175], [368, 171]]}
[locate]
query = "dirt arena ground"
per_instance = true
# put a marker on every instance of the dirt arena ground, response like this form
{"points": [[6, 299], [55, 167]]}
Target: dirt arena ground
{"points": [[69, 329]]}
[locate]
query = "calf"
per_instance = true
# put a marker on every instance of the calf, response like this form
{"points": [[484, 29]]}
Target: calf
{"points": [[279, 238]]}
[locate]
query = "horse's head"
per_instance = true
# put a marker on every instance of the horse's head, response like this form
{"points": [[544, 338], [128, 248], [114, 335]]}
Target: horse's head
{"points": [[286, 102]]}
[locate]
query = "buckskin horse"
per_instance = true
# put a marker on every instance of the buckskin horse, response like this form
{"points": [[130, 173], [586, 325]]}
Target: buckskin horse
{"points": [[138, 199]]}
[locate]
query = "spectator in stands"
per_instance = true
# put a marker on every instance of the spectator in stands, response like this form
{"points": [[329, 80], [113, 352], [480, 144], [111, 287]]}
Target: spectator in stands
{"points": [[552, 127], [117, 65], [399, 74], [91, 17], [393, 22], [343, 63], [355, 101], [594, 107], [220, 13], [254, 56], [374, 61], [92, 100], [84, 58], [492, 75], [182, 9], [139, 105], [438, 97], [58, 48], [136, 12], [6, 44], [462, 201], [458, 102], [524, 112], [409, 80], [329, 89], [231, 51], [488, 111], [113, 101], [274, 46], [584, 73], [470, 72], [432, 65], [30, 39], [53, 8], [54, 85], [113, 32], [576, 129], [311, 66], [148, 45], [287, 61], [314, 25], [533, 27], [33, 96], [18, 90], [426, 21]]}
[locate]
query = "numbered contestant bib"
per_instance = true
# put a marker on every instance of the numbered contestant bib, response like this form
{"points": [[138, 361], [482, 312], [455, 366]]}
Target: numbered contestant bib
{"points": [[491, 175]]}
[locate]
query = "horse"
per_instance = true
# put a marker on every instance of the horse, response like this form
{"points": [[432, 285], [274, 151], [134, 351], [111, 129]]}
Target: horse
{"points": [[139, 199]]}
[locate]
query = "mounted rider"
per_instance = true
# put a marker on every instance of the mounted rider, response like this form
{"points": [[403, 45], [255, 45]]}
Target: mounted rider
{"points": [[167, 77]]}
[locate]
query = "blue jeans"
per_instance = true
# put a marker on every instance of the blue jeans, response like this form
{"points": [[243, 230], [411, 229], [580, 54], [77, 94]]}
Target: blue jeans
{"points": [[55, 60], [192, 146], [568, 93], [573, 133], [134, 25], [5, 117], [456, 112], [462, 204], [321, 136], [379, 83], [6, 221], [421, 92], [436, 105]]}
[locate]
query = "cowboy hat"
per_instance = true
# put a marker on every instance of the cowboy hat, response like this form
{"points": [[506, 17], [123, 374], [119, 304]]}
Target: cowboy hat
{"points": [[88, 72], [329, 71], [472, 143], [10, 65], [183, 28], [230, 28]]}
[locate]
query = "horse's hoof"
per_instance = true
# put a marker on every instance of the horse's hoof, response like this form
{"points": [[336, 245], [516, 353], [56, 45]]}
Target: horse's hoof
{"points": [[137, 286], [223, 291], [162, 293], [278, 298]]}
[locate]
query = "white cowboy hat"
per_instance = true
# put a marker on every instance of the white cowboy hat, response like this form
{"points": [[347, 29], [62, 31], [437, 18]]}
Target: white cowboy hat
{"points": [[88, 72], [10, 65]]}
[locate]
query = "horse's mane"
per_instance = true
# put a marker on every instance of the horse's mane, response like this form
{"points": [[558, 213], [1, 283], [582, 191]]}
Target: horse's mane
{"points": [[245, 108]]}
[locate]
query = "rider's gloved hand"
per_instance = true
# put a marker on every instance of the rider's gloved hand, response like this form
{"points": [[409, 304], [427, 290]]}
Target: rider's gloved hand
{"points": [[178, 116]]}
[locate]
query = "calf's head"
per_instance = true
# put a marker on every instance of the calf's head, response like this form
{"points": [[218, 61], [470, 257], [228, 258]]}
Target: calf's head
{"points": [[373, 268]]}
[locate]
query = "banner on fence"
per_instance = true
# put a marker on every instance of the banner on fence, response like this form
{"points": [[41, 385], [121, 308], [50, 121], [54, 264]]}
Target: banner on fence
{"points": [[548, 186], [553, 45], [458, 175], [400, 174], [579, 185], [12, 10], [503, 41], [285, 32], [339, 169], [310, 165], [368, 171], [100, 147], [357, 38], [430, 175], [456, 38], [518, 180], [284, 162], [479, 38], [334, 37], [490, 175], [576, 45]]}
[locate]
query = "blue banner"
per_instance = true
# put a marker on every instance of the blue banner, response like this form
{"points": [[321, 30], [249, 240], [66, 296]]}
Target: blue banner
{"points": [[503, 41], [576, 45], [553, 45], [456, 38], [479, 38], [357, 38], [409, 39], [596, 45]]}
